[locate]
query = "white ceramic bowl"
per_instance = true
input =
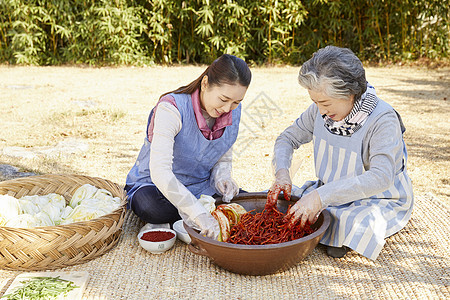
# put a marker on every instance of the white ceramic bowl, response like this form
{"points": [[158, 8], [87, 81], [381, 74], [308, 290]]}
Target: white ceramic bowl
{"points": [[181, 232], [157, 247]]}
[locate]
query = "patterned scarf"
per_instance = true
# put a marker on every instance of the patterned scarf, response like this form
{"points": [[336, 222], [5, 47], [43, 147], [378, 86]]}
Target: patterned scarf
{"points": [[362, 108]]}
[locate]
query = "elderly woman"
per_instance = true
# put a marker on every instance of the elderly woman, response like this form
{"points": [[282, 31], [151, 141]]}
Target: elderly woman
{"points": [[359, 153]]}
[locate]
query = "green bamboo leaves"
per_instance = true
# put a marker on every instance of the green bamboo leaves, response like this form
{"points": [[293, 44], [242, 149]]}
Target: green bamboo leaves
{"points": [[138, 32]]}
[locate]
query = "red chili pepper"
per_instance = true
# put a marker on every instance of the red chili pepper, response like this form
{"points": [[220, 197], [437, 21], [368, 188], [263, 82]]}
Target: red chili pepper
{"points": [[266, 227]]}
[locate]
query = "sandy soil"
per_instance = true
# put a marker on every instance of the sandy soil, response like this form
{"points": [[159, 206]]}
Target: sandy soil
{"points": [[107, 108]]}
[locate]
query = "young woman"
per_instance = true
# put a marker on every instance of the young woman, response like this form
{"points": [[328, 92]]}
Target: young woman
{"points": [[359, 153], [188, 148]]}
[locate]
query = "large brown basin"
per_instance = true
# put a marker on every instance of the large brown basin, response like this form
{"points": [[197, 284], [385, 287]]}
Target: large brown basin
{"points": [[258, 259]]}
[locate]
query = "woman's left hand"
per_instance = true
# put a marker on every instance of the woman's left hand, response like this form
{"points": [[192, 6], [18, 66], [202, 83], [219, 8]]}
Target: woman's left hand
{"points": [[307, 208], [228, 188]]}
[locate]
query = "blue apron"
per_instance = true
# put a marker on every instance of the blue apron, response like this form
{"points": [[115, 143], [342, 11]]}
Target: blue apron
{"points": [[194, 156]]}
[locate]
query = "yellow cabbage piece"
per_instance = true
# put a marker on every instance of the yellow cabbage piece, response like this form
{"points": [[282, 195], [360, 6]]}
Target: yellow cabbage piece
{"points": [[102, 194], [28, 221], [40, 201], [53, 212], [88, 202], [9, 208], [43, 219], [52, 204], [23, 221], [57, 200], [28, 206], [83, 192], [66, 212], [84, 213]]}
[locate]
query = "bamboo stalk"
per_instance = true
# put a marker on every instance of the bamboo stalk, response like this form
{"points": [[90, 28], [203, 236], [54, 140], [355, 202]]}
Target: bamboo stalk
{"points": [[388, 39], [403, 24], [361, 47], [179, 45], [4, 33], [293, 36], [270, 38], [54, 43], [358, 28], [380, 36], [4, 38]]}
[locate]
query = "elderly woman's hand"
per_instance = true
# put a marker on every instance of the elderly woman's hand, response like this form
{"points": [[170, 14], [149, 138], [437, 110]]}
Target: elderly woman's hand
{"points": [[283, 184], [307, 208]]}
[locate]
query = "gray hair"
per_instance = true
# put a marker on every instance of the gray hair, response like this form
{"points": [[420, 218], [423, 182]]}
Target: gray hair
{"points": [[336, 72]]}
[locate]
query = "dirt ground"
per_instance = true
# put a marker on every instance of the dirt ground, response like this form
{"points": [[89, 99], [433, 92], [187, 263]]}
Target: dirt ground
{"points": [[107, 109]]}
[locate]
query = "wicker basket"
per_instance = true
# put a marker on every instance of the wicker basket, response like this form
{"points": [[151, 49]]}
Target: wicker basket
{"points": [[52, 247]]}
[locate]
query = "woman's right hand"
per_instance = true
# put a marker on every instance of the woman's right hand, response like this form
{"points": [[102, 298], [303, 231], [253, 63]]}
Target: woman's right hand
{"points": [[208, 225], [283, 184], [307, 208]]}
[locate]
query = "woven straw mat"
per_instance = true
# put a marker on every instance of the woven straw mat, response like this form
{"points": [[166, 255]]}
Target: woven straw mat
{"points": [[414, 264]]}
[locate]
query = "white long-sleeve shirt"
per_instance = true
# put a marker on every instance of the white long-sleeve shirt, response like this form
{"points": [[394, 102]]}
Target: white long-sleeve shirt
{"points": [[167, 124]]}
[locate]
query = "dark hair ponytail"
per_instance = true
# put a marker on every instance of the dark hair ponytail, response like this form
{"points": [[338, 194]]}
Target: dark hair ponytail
{"points": [[227, 69]]}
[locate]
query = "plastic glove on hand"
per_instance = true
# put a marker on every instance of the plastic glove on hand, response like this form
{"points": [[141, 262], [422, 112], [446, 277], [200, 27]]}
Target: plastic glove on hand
{"points": [[208, 225], [283, 184], [307, 208], [228, 188]]}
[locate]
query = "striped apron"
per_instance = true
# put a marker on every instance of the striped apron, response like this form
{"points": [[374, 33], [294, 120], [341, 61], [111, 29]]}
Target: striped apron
{"points": [[364, 224]]}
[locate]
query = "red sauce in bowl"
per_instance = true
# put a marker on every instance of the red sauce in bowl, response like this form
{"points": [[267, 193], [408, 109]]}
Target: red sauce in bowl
{"points": [[157, 236]]}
